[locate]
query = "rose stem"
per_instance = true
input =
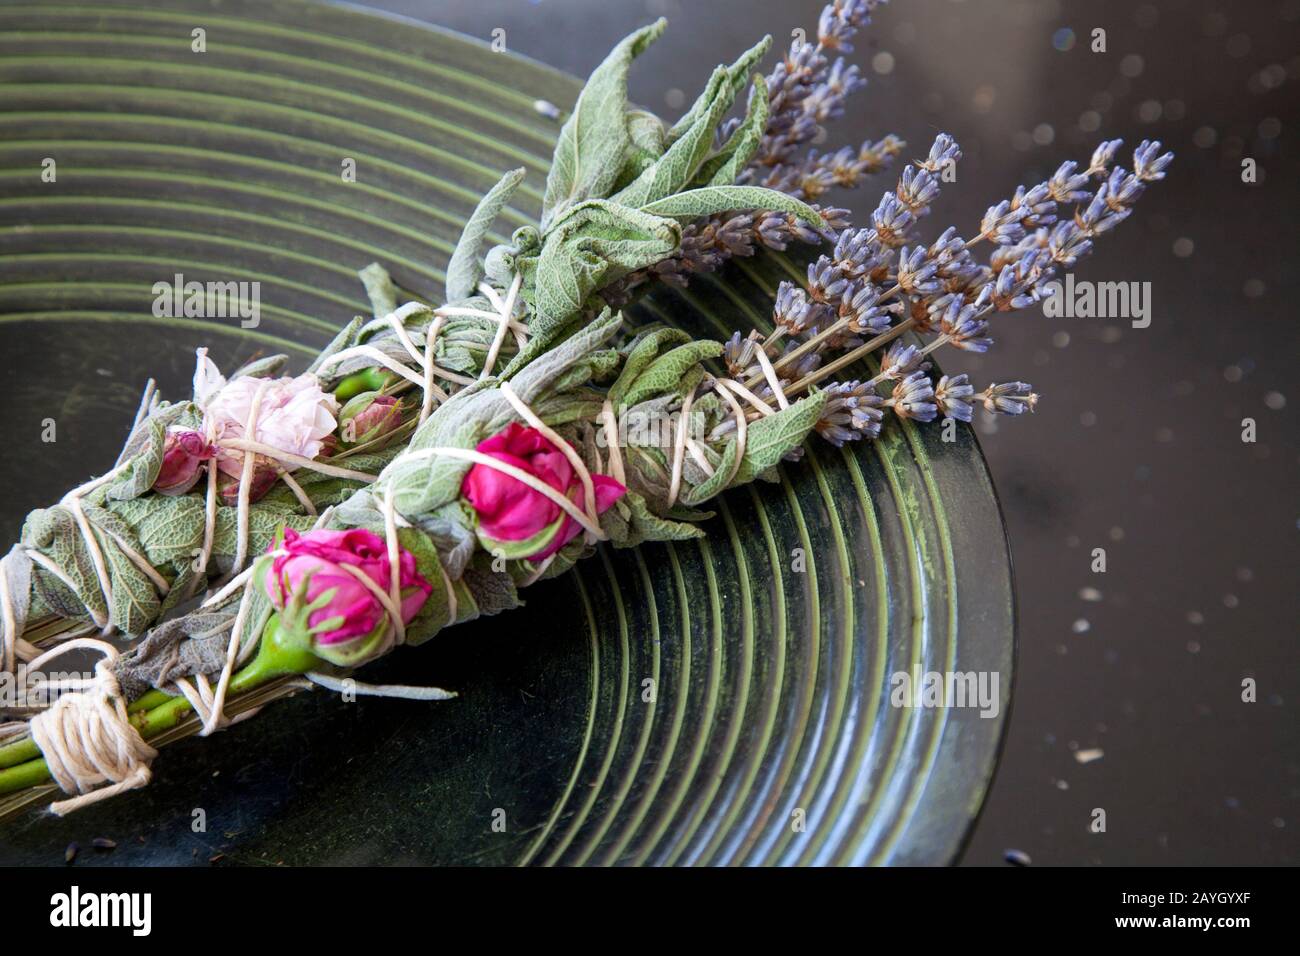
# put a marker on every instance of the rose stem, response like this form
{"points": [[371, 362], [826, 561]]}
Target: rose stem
{"points": [[27, 768]]}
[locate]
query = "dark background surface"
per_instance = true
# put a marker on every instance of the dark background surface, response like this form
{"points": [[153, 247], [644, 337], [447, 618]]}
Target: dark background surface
{"points": [[1137, 445]]}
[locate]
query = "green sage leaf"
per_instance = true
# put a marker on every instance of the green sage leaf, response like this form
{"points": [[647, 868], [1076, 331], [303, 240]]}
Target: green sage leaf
{"points": [[723, 168], [595, 139], [737, 76], [666, 372], [648, 142], [465, 269], [645, 349], [379, 289], [707, 200], [770, 438]]}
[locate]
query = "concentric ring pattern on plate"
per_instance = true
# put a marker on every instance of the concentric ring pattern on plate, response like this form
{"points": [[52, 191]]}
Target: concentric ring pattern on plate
{"points": [[721, 702]]}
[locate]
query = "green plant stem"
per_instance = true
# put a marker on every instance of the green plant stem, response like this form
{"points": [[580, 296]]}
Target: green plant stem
{"points": [[20, 751], [35, 770], [152, 714]]}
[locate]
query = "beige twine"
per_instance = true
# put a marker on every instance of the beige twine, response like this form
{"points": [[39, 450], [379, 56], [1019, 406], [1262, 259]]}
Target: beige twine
{"points": [[425, 369], [87, 738], [728, 389]]}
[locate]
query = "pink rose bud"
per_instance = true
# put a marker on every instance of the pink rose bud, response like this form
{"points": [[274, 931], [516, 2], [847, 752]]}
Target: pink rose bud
{"points": [[183, 456], [516, 520], [368, 416], [263, 480], [329, 607]]}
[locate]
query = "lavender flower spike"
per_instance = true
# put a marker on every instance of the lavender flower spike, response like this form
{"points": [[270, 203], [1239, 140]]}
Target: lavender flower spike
{"points": [[852, 411], [900, 361], [1103, 156], [914, 398], [1009, 398], [1148, 165], [944, 152], [953, 397]]}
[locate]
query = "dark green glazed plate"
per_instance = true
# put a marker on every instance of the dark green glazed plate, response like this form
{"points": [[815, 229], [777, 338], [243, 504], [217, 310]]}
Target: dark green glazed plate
{"points": [[726, 702]]}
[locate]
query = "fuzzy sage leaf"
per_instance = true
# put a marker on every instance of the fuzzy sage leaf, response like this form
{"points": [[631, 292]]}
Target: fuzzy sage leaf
{"points": [[694, 203], [595, 140], [464, 270]]}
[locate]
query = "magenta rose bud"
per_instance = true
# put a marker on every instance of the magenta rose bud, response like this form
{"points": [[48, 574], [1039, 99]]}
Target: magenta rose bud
{"points": [[184, 453], [368, 416], [519, 521], [325, 604]]}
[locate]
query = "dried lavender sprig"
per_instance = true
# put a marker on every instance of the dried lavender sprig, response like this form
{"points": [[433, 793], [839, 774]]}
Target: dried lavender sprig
{"points": [[740, 354], [854, 410], [712, 241], [953, 396], [1026, 266], [913, 397], [1009, 222], [846, 168], [1009, 398], [862, 256], [900, 361], [805, 88], [1103, 156]]}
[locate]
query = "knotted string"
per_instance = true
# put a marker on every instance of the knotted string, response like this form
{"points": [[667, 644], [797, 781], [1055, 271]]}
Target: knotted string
{"points": [[210, 704], [728, 389], [424, 369], [87, 738]]}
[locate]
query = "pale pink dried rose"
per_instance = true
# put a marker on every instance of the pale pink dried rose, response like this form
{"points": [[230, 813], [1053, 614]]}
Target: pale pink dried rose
{"points": [[295, 415]]}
